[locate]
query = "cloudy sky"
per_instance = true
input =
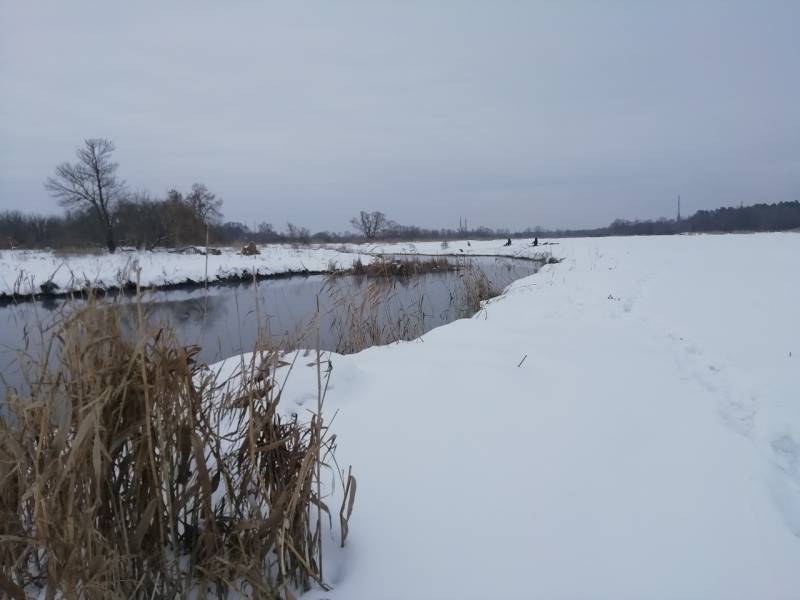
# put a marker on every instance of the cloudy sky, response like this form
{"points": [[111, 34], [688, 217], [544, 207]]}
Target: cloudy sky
{"points": [[512, 114]]}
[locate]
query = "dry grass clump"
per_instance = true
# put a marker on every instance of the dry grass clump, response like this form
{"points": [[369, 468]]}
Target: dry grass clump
{"points": [[476, 288], [358, 267], [250, 249], [128, 470], [388, 268], [378, 314], [373, 317], [546, 258]]}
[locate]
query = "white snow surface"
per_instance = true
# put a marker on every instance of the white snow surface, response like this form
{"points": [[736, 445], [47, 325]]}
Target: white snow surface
{"points": [[23, 271], [647, 447], [519, 248]]}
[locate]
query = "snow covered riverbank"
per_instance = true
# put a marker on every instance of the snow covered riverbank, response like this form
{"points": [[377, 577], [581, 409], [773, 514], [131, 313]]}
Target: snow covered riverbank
{"points": [[647, 447], [23, 271], [519, 248]]}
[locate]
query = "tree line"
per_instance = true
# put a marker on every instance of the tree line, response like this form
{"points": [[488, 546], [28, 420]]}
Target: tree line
{"points": [[779, 216], [100, 209]]}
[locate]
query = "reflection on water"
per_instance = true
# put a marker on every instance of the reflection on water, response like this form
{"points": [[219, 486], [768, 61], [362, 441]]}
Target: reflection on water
{"points": [[225, 320]]}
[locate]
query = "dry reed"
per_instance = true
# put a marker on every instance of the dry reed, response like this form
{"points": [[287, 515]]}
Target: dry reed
{"points": [[476, 288], [373, 315], [389, 268], [129, 470]]}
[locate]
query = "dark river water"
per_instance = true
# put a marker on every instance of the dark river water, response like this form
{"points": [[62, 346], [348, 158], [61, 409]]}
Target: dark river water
{"points": [[354, 311]]}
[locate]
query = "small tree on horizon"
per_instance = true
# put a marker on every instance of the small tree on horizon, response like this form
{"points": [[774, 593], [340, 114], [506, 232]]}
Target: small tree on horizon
{"points": [[298, 234], [90, 184], [206, 205], [370, 224]]}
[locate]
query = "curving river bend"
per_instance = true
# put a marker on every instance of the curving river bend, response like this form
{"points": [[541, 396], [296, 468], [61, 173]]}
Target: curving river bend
{"points": [[354, 311]]}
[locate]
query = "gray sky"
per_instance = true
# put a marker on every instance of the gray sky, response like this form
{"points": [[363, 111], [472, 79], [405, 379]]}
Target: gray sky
{"points": [[512, 114]]}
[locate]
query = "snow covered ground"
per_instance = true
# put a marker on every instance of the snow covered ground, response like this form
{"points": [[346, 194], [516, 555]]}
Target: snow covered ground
{"points": [[647, 447], [23, 271], [520, 248]]}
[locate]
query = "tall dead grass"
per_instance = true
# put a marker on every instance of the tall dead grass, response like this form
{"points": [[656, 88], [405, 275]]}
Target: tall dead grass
{"points": [[129, 470], [389, 268], [476, 288], [373, 315]]}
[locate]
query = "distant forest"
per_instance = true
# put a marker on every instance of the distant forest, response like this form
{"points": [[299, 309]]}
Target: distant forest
{"points": [[781, 216], [179, 220]]}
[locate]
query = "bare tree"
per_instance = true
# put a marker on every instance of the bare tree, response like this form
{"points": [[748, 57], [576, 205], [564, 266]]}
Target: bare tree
{"points": [[298, 234], [90, 183], [147, 222], [205, 204], [266, 229], [266, 232], [369, 223]]}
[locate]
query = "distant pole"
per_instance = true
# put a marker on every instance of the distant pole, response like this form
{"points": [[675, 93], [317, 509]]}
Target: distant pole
{"points": [[206, 284], [679, 208]]}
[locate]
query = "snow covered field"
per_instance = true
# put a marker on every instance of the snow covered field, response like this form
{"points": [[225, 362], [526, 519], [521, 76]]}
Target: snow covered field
{"points": [[647, 447], [23, 271]]}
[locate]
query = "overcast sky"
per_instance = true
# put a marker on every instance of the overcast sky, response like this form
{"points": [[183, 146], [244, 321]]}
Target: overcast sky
{"points": [[512, 114]]}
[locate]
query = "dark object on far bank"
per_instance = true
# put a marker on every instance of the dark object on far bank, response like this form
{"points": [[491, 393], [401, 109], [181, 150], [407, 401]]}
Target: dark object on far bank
{"points": [[49, 287], [508, 243], [250, 249], [535, 241]]}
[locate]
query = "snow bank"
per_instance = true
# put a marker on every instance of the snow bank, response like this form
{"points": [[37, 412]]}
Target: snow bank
{"points": [[519, 248], [23, 271], [647, 447]]}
